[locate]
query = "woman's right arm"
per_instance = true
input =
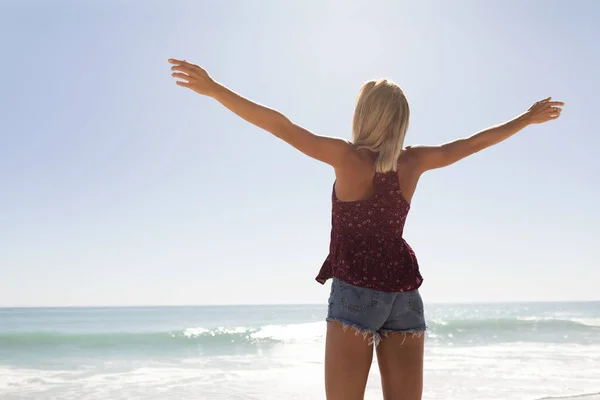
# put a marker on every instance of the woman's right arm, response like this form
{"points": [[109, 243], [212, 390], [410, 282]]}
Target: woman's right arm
{"points": [[432, 157]]}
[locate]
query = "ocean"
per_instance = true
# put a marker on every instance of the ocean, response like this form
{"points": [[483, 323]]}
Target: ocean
{"points": [[515, 351]]}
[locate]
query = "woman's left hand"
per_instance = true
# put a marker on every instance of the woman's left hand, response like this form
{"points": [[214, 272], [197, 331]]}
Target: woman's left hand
{"points": [[193, 77]]}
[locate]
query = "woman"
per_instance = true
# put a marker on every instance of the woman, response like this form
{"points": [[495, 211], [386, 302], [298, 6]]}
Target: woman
{"points": [[375, 276]]}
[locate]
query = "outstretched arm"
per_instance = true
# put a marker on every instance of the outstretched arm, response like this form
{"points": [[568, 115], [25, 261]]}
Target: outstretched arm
{"points": [[326, 149], [431, 157]]}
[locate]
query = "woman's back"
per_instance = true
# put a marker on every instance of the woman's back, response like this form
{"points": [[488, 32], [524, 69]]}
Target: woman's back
{"points": [[355, 176], [367, 248]]}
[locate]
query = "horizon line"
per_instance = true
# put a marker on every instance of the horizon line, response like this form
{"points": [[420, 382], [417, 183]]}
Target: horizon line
{"points": [[290, 304]]}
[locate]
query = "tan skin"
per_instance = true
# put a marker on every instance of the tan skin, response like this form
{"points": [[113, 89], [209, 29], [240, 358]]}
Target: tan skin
{"points": [[348, 357]]}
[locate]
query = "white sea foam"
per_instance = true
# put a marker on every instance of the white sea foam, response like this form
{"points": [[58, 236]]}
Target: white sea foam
{"points": [[294, 372], [288, 333], [472, 352], [292, 333]]}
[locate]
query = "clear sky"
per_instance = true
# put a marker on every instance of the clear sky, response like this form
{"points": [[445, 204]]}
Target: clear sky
{"points": [[119, 188]]}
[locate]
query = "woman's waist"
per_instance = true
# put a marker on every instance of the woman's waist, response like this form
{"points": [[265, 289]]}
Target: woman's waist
{"points": [[387, 251], [387, 240]]}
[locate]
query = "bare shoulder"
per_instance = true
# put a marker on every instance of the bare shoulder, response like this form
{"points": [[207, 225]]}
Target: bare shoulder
{"points": [[421, 158], [414, 152], [345, 147], [411, 156]]}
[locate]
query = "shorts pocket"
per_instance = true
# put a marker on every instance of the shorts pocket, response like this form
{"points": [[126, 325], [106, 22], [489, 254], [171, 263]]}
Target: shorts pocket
{"points": [[356, 299], [415, 302]]}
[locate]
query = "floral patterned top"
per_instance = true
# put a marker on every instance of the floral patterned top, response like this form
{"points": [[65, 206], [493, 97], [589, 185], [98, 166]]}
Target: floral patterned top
{"points": [[367, 248]]}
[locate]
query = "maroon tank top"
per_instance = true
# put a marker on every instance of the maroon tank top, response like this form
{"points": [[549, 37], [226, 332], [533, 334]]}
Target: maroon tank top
{"points": [[367, 248]]}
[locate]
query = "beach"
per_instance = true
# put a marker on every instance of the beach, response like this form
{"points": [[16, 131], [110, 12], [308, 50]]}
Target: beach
{"points": [[525, 351]]}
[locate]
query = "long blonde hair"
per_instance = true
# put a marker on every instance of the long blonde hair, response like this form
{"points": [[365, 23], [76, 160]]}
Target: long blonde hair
{"points": [[380, 122]]}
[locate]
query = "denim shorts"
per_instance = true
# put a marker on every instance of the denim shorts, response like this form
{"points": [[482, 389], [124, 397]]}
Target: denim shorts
{"points": [[374, 312]]}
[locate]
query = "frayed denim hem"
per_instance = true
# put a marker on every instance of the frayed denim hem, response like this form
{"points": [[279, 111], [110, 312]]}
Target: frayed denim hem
{"points": [[417, 332], [374, 339]]}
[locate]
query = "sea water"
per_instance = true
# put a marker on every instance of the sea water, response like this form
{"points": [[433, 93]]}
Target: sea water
{"points": [[473, 351]]}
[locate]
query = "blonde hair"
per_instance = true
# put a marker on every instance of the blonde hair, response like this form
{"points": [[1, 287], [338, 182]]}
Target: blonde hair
{"points": [[380, 122]]}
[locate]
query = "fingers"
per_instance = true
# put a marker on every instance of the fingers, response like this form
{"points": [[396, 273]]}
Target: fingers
{"points": [[548, 106], [554, 112], [185, 71], [182, 64], [546, 110], [184, 68], [547, 102], [179, 75]]}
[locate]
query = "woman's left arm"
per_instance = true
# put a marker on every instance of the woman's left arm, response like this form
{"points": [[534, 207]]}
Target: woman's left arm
{"points": [[326, 149]]}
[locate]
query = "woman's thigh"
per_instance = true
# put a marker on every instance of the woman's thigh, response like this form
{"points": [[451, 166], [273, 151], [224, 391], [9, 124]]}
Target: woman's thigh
{"points": [[400, 353], [348, 358], [354, 318], [400, 359]]}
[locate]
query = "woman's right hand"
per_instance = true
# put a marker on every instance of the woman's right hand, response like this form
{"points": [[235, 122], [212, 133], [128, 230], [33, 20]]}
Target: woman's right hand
{"points": [[544, 111]]}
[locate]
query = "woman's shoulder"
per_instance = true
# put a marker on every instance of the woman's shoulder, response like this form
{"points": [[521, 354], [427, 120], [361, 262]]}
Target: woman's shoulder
{"points": [[409, 155]]}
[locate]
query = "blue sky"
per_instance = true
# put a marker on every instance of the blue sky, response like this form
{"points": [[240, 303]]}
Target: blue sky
{"points": [[119, 188]]}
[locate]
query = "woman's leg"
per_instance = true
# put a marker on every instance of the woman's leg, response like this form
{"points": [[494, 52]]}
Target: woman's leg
{"points": [[354, 317], [400, 359], [400, 352], [348, 358]]}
